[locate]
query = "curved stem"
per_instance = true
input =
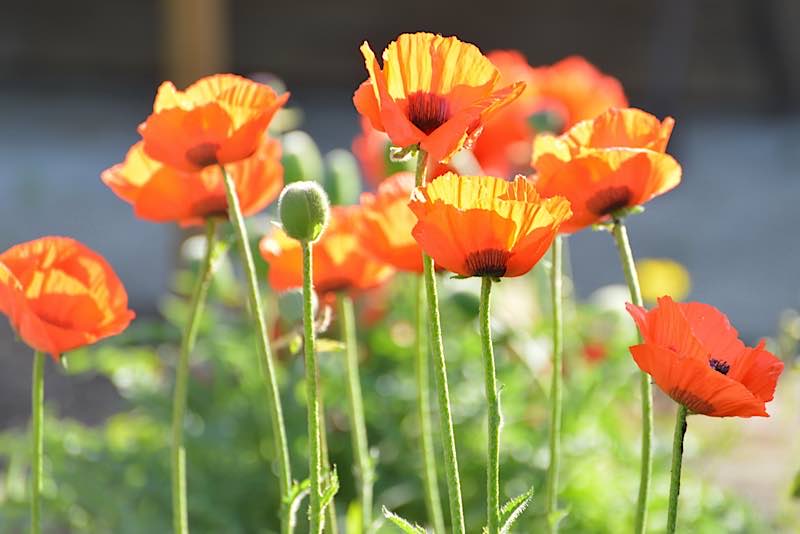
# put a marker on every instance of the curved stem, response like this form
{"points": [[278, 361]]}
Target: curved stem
{"points": [[555, 386], [180, 521], [440, 377], [267, 364], [677, 461], [37, 444], [629, 267], [429, 475], [494, 420], [358, 429], [316, 520]]}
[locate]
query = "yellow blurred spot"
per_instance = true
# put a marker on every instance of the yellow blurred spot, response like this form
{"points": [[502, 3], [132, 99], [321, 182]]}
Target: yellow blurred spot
{"points": [[662, 276]]}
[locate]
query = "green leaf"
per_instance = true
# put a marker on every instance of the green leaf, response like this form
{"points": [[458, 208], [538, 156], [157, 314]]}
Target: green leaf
{"points": [[297, 492], [402, 524], [331, 487], [511, 510]]}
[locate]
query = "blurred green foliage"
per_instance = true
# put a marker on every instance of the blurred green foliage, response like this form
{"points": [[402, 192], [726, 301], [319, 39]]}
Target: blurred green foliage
{"points": [[114, 478]]}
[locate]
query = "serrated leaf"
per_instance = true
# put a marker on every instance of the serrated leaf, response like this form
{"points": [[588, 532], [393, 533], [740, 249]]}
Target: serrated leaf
{"points": [[511, 510], [331, 487], [402, 524]]}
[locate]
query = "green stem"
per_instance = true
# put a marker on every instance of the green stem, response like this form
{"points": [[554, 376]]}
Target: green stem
{"points": [[677, 461], [494, 419], [316, 519], [37, 451], [267, 364], [440, 377], [358, 430], [180, 521], [556, 385], [429, 475], [331, 527], [629, 267]]}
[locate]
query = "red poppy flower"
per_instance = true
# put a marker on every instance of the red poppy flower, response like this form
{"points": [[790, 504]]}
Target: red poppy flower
{"points": [[59, 295], [614, 161], [695, 356], [432, 91], [568, 91], [339, 260], [387, 221], [575, 90], [219, 119], [160, 193], [485, 226]]}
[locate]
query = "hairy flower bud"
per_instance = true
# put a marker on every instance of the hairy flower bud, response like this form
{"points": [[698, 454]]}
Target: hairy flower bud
{"points": [[304, 210]]}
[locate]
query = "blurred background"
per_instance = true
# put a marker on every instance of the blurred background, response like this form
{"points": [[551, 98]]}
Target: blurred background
{"points": [[76, 79]]}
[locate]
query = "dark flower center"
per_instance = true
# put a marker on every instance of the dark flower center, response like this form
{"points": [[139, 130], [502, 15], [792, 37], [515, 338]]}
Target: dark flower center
{"points": [[203, 155], [720, 366], [609, 200], [427, 111], [211, 206], [488, 262]]}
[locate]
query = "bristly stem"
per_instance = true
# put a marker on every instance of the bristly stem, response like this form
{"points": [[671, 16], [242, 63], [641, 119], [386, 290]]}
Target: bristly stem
{"points": [[331, 527], [429, 475], [358, 430], [316, 519], [494, 419], [556, 385], [677, 461], [440, 377], [37, 444], [265, 353], [629, 267], [180, 520]]}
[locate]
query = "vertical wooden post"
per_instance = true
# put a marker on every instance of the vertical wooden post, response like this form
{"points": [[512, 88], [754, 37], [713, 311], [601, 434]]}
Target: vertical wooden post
{"points": [[195, 39]]}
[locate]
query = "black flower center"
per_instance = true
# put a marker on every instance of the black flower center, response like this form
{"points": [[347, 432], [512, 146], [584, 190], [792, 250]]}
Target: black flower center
{"points": [[720, 366], [427, 111], [203, 155], [609, 200], [488, 262]]}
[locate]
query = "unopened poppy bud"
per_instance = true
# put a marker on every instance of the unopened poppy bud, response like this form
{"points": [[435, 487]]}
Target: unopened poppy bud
{"points": [[304, 210], [342, 178], [301, 157]]}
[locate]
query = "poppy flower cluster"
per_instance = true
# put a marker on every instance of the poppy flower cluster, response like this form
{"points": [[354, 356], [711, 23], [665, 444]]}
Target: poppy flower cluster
{"points": [[172, 174]]}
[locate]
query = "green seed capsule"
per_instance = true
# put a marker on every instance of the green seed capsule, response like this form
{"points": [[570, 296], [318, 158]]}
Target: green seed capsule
{"points": [[304, 210]]}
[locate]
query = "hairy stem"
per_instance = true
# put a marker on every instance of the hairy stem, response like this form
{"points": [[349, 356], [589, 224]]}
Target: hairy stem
{"points": [[440, 377], [180, 520], [556, 385], [37, 444], [677, 461], [265, 353], [494, 420], [629, 267], [429, 475]]}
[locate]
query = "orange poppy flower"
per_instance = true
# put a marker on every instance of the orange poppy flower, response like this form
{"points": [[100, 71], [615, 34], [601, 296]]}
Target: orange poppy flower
{"points": [[485, 226], [614, 161], [695, 356], [433, 91], [219, 119], [160, 193], [570, 91], [575, 90], [339, 260], [386, 224], [59, 295]]}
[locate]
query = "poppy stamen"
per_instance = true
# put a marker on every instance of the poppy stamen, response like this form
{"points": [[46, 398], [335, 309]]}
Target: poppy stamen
{"points": [[720, 366], [203, 155], [488, 262], [427, 111], [607, 201]]}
